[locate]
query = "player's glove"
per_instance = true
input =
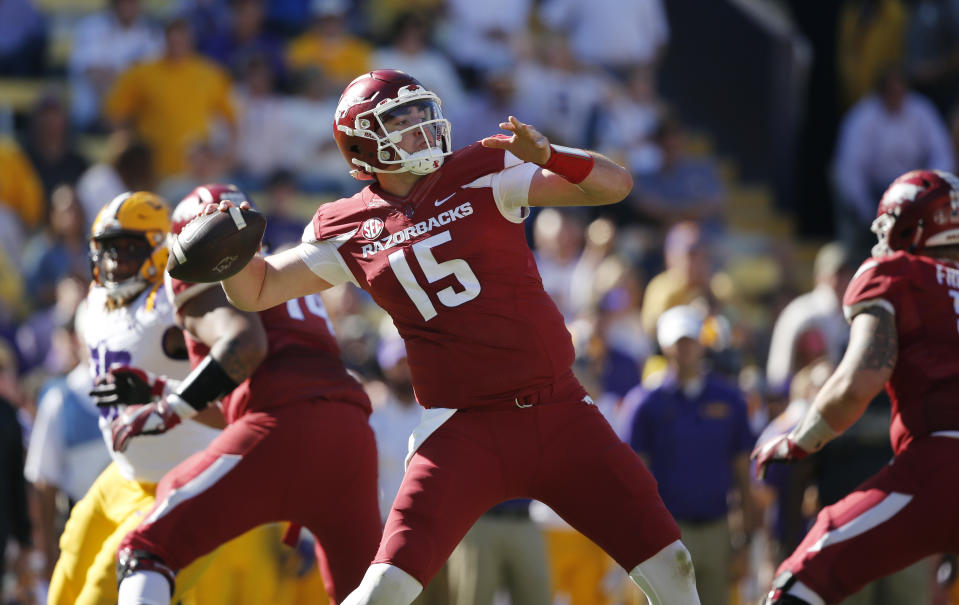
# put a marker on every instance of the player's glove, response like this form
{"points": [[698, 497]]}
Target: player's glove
{"points": [[149, 419], [779, 449], [127, 386]]}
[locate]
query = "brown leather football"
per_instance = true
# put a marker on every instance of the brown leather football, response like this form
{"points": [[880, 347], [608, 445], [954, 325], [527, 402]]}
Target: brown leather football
{"points": [[215, 246]]}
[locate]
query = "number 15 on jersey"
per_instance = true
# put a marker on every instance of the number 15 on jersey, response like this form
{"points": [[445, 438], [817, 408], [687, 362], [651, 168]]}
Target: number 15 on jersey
{"points": [[434, 271]]}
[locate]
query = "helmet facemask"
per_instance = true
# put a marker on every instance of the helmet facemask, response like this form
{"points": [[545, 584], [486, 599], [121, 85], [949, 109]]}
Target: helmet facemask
{"points": [[122, 264], [881, 226], [416, 113], [129, 233]]}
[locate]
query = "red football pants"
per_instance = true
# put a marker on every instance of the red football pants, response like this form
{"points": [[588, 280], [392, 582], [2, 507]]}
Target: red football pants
{"points": [[312, 463], [562, 452], [905, 512]]}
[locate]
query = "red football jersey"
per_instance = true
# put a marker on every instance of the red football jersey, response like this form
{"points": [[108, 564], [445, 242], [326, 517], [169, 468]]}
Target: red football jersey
{"points": [[925, 295], [302, 361], [459, 281]]}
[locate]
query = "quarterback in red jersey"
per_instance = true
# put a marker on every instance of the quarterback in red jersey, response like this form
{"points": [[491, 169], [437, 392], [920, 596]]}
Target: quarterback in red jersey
{"points": [[298, 447], [903, 305], [437, 240]]}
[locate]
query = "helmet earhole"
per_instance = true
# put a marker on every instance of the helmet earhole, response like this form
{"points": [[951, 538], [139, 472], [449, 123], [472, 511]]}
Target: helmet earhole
{"points": [[384, 155]]}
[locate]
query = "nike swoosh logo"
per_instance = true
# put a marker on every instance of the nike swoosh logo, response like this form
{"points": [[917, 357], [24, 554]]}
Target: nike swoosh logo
{"points": [[443, 201]]}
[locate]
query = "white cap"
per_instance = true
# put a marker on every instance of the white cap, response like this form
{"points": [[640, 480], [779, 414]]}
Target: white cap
{"points": [[328, 8], [678, 322]]}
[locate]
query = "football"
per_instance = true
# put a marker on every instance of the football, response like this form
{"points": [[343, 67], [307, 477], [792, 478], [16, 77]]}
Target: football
{"points": [[215, 246]]}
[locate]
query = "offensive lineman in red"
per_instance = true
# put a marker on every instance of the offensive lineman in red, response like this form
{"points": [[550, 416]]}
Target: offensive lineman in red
{"points": [[298, 447], [437, 240], [903, 305]]}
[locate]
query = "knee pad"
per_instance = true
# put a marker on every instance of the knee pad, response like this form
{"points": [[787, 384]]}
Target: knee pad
{"points": [[385, 584], [130, 560], [668, 576]]}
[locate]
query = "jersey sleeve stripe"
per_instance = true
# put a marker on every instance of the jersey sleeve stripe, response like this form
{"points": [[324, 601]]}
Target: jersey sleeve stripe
{"points": [[850, 311], [324, 259], [869, 264]]}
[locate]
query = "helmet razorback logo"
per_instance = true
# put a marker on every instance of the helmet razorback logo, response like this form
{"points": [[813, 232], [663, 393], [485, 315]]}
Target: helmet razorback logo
{"points": [[904, 191], [372, 228], [345, 103]]}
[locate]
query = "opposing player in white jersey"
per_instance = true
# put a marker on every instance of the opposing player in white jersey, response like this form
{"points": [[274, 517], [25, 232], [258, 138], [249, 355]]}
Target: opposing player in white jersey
{"points": [[129, 321]]}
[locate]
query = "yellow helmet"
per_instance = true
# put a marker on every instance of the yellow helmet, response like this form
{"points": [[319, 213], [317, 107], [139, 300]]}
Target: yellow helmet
{"points": [[140, 221]]}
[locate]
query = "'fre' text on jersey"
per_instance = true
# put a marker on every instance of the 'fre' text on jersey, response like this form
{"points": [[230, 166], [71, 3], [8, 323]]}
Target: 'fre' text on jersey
{"points": [[420, 228], [950, 278]]}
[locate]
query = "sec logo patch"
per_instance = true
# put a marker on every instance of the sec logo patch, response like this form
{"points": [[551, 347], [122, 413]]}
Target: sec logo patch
{"points": [[372, 228]]}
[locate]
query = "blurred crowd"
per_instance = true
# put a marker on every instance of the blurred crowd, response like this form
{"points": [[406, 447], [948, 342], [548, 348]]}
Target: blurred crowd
{"points": [[685, 329]]}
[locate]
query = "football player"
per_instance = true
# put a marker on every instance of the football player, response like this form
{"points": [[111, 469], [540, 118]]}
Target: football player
{"points": [[437, 239], [298, 446], [129, 320], [903, 305]]}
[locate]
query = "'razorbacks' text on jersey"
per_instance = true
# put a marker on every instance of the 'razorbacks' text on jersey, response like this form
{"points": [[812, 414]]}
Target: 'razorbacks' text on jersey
{"points": [[134, 335], [302, 362], [923, 294], [450, 264]]}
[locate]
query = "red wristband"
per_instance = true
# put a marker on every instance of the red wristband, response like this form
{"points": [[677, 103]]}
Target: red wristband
{"points": [[574, 165]]}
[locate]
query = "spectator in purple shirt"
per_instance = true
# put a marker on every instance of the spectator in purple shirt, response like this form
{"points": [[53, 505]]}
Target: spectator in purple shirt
{"points": [[244, 40], [684, 186], [692, 432], [23, 39]]}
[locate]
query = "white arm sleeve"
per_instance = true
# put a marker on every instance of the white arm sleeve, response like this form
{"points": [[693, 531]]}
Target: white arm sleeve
{"points": [[511, 190], [323, 259]]}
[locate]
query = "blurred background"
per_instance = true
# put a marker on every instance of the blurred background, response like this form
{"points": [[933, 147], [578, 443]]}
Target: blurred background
{"points": [[760, 133]]}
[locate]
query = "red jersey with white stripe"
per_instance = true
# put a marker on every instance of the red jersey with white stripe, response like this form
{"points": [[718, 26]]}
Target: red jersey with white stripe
{"points": [[302, 362], [924, 295], [458, 279]]}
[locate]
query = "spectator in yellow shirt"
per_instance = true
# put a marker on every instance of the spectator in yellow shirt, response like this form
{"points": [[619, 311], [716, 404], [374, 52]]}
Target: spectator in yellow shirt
{"points": [[172, 102], [20, 187], [383, 14], [686, 278], [329, 45], [870, 39]]}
